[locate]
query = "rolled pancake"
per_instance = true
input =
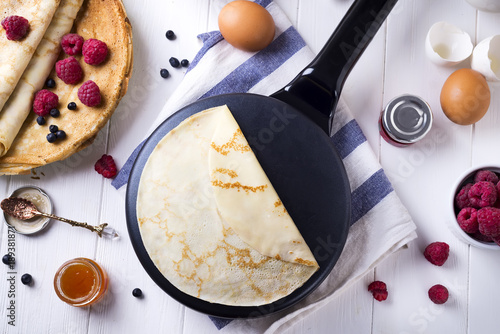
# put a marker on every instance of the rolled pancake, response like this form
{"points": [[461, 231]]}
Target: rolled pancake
{"points": [[186, 227], [15, 55], [19, 104], [105, 20]]}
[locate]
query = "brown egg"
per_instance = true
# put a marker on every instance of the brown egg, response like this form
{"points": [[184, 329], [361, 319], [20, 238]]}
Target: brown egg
{"points": [[246, 25], [465, 96]]}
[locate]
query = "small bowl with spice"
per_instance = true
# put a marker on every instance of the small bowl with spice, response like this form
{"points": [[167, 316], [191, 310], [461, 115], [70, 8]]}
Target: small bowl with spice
{"points": [[42, 202], [475, 207]]}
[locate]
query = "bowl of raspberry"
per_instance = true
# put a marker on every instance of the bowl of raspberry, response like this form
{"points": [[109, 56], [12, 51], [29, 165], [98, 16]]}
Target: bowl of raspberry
{"points": [[475, 204]]}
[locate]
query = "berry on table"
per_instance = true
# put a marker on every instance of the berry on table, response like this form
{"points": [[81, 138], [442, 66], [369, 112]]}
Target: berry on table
{"points": [[174, 62], [40, 120], [72, 44], [184, 63], [60, 134], [51, 137], [170, 35], [164, 73], [69, 70], [137, 292], [438, 294], [8, 259], [16, 27], [106, 166], [89, 94], [44, 101], [94, 51], [378, 290], [54, 112], [26, 279], [437, 253], [72, 106], [50, 83]]}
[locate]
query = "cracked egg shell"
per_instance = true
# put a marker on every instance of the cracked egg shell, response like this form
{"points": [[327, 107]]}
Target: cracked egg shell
{"points": [[447, 44], [486, 58]]}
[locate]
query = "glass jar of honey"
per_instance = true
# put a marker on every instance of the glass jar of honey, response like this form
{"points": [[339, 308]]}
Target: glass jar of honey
{"points": [[80, 282]]}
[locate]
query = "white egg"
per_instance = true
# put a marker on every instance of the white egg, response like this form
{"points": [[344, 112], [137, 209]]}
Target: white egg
{"points": [[486, 58], [486, 5], [447, 44]]}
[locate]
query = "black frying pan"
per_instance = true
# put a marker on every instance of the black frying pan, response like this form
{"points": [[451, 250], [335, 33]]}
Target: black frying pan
{"points": [[289, 133]]}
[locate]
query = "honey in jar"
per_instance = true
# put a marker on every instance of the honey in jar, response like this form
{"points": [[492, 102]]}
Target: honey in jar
{"points": [[80, 282]]}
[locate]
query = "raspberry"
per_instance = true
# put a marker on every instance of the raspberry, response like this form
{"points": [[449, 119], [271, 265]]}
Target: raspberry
{"points": [[72, 44], [379, 290], [44, 101], [16, 27], [462, 198], [483, 194], [467, 220], [69, 70], [489, 221], [438, 294], [437, 253], [94, 51], [486, 175], [89, 94], [106, 166]]}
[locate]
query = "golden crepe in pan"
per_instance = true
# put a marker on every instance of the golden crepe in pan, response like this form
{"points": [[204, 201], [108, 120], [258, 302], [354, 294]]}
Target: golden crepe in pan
{"points": [[105, 20], [211, 221], [15, 55], [18, 106]]}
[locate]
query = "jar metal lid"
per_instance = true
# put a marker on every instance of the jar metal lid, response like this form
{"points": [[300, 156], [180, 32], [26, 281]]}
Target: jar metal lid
{"points": [[407, 119], [42, 202]]}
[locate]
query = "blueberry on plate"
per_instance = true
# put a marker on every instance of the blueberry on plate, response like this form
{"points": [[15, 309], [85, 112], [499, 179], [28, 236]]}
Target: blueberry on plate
{"points": [[137, 292], [170, 35], [51, 137], [60, 134], [164, 73], [26, 279], [50, 83], [72, 106], [54, 112], [184, 63], [174, 62], [53, 128], [7, 259], [40, 120]]}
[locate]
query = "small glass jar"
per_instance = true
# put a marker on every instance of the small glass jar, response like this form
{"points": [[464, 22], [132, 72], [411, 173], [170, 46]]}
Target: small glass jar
{"points": [[80, 282]]}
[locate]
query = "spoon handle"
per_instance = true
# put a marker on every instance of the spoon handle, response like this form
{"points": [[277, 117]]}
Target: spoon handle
{"points": [[97, 229]]}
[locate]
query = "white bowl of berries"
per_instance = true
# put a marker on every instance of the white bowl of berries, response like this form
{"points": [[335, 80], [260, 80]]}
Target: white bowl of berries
{"points": [[475, 207]]}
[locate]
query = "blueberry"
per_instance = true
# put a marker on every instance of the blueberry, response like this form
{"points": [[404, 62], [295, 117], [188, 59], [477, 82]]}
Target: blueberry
{"points": [[137, 292], [50, 83], [26, 279], [60, 134], [164, 73], [7, 259], [184, 63], [170, 35], [54, 112], [174, 62], [53, 128], [72, 106], [51, 137], [40, 120]]}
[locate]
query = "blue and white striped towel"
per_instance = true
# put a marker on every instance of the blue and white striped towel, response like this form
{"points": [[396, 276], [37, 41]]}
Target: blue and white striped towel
{"points": [[380, 223]]}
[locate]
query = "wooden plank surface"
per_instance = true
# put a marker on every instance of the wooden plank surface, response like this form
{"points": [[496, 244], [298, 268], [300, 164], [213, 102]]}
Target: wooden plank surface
{"points": [[422, 176]]}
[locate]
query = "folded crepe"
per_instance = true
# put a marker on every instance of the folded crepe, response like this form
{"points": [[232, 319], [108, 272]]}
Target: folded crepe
{"points": [[19, 104], [212, 222], [105, 20], [15, 55]]}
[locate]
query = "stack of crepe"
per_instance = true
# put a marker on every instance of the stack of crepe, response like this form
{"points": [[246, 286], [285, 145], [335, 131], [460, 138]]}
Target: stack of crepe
{"points": [[212, 222], [26, 64]]}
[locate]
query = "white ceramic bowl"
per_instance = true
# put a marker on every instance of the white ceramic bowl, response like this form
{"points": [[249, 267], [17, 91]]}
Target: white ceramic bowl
{"points": [[467, 177]]}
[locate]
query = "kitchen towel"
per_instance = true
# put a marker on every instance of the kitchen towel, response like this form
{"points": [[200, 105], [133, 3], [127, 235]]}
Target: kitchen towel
{"points": [[380, 224]]}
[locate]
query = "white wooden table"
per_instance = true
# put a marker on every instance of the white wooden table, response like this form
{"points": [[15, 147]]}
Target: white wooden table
{"points": [[422, 175]]}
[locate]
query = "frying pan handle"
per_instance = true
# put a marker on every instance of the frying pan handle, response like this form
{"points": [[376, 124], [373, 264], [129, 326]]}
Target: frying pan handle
{"points": [[316, 90]]}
